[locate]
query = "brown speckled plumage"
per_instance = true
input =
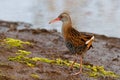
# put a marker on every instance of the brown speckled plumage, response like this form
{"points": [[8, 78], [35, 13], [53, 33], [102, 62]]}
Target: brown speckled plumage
{"points": [[76, 42]]}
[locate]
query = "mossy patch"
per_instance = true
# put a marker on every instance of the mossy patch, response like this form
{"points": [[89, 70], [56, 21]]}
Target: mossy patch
{"points": [[97, 71], [10, 43], [35, 76], [92, 71], [22, 57]]}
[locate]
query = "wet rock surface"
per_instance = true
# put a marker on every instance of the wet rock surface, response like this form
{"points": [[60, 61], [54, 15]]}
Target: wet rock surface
{"points": [[50, 44]]}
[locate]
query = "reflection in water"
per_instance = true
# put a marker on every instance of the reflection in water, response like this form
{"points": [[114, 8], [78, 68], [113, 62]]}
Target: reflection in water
{"points": [[98, 16]]}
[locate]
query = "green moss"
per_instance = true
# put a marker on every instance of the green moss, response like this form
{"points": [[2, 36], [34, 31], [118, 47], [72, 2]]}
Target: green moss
{"points": [[96, 71], [93, 71], [35, 76], [23, 52], [42, 60], [10, 42], [93, 74], [22, 57]]}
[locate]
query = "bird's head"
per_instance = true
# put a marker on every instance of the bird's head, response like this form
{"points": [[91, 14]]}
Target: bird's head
{"points": [[64, 17]]}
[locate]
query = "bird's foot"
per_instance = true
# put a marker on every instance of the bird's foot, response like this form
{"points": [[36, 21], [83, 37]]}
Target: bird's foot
{"points": [[77, 73], [71, 68]]}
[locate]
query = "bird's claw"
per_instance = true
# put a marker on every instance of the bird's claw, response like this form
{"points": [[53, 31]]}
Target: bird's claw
{"points": [[76, 73], [70, 68]]}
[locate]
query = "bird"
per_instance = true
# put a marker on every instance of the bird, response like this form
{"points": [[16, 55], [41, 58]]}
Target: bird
{"points": [[78, 43]]}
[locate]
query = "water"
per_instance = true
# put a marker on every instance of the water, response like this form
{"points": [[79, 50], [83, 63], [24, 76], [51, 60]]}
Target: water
{"points": [[16, 10], [97, 16]]}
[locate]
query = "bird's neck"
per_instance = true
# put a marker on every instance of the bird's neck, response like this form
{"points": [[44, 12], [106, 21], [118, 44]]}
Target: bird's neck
{"points": [[66, 27]]}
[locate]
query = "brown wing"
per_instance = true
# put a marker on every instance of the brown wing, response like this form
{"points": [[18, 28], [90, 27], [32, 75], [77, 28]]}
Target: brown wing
{"points": [[77, 38]]}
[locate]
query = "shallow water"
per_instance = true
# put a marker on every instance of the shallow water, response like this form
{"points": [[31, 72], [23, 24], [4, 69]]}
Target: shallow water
{"points": [[97, 16]]}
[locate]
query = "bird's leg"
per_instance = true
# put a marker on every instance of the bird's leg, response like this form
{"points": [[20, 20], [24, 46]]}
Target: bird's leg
{"points": [[80, 71], [71, 67]]}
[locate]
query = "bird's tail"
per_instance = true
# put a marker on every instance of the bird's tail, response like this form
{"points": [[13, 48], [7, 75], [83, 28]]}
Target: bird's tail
{"points": [[89, 42]]}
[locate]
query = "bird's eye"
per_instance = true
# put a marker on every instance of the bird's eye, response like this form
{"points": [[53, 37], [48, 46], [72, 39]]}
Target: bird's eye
{"points": [[60, 16]]}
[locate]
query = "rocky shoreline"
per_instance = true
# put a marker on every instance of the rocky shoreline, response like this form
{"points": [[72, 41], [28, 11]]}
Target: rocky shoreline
{"points": [[50, 44]]}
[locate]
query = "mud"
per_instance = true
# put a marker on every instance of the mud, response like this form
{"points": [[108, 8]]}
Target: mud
{"points": [[50, 44]]}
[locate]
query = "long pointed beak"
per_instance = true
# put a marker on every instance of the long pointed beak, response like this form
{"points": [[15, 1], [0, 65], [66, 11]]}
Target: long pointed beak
{"points": [[57, 19]]}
